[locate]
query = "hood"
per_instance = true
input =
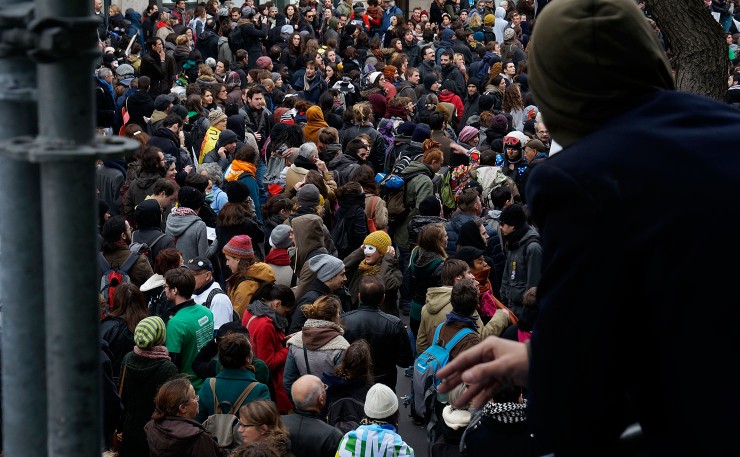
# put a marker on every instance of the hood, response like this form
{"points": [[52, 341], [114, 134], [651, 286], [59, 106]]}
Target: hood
{"points": [[157, 116], [280, 20], [154, 281], [172, 436], [438, 298], [458, 219], [178, 224], [309, 235], [261, 271], [144, 182], [601, 33], [207, 34], [500, 13], [340, 162], [415, 166], [133, 16]]}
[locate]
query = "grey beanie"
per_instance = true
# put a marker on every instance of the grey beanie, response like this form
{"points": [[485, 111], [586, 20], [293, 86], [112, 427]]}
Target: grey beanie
{"points": [[325, 266], [280, 237], [308, 195]]}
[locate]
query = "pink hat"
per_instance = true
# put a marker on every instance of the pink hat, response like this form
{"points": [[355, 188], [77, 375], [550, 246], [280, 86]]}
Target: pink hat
{"points": [[240, 247], [264, 62], [467, 133]]}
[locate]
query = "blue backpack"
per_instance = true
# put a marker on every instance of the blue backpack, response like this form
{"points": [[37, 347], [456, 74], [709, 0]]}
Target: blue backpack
{"points": [[425, 381]]}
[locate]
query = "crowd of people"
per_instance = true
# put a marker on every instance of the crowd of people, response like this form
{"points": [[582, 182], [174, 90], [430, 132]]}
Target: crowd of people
{"points": [[309, 180]]}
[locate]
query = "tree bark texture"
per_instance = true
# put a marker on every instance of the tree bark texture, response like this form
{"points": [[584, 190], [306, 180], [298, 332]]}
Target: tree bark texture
{"points": [[696, 46]]}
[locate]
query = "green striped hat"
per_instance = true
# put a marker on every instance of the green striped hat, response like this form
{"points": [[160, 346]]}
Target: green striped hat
{"points": [[150, 332]]}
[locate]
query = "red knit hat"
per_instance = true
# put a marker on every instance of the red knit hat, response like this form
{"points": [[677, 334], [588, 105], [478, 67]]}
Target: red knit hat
{"points": [[240, 247]]}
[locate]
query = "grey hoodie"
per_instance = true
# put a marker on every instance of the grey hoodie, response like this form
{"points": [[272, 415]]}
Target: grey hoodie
{"points": [[190, 235]]}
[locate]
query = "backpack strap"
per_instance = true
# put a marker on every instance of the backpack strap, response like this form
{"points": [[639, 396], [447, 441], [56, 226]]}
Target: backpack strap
{"points": [[215, 398], [305, 356], [212, 294], [156, 240], [130, 261], [102, 263], [245, 393], [462, 333]]}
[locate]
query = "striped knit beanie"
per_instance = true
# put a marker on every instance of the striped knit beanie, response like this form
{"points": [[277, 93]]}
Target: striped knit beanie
{"points": [[240, 247], [150, 332]]}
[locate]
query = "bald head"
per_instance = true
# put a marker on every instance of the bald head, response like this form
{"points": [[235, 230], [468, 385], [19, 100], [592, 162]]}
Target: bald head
{"points": [[308, 393]]}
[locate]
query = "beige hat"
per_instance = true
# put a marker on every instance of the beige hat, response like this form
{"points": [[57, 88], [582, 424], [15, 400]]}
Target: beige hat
{"points": [[216, 116]]}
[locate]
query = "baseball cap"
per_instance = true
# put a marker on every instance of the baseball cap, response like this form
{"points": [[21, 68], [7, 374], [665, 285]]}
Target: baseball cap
{"points": [[199, 264]]}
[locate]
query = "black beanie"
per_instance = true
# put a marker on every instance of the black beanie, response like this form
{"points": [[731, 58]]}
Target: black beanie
{"points": [[430, 206], [485, 103], [513, 215], [237, 191], [429, 80], [190, 197], [148, 214]]}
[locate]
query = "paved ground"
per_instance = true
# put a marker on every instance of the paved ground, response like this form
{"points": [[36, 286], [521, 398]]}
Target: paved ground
{"points": [[414, 435]]}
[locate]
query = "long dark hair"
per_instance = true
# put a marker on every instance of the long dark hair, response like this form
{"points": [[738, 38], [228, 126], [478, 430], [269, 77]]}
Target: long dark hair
{"points": [[129, 304]]}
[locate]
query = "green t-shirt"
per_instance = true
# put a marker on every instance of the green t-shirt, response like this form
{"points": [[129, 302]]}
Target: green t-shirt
{"points": [[187, 332]]}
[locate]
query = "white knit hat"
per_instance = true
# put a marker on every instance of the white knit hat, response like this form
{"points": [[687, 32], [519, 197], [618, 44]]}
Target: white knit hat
{"points": [[456, 418], [380, 402]]}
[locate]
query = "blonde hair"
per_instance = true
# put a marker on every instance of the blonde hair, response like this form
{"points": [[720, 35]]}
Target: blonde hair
{"points": [[182, 39], [362, 111], [325, 308]]}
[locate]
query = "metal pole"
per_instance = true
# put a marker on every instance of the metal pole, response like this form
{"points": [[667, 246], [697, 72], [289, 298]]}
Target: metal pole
{"points": [[66, 122], [23, 377]]}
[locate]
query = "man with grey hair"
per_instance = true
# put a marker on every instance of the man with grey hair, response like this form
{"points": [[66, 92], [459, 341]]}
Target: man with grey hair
{"points": [[308, 159], [215, 175], [310, 435], [105, 103]]}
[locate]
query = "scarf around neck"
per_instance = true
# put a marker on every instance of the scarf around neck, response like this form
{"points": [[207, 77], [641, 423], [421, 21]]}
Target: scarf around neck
{"points": [[469, 321], [238, 167], [156, 352], [258, 308]]}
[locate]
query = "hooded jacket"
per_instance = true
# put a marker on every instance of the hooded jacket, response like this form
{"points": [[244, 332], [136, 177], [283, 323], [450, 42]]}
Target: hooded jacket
{"points": [[144, 376], [417, 189], [139, 105], [138, 190], [180, 437], [191, 238]]}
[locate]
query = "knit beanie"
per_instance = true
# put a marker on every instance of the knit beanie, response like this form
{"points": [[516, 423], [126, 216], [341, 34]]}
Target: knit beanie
{"points": [[237, 191], [216, 116], [240, 247], [225, 137], [447, 34], [429, 80], [485, 103], [280, 237], [150, 332], [421, 132], [349, 29], [190, 197], [406, 128], [374, 76], [325, 266], [508, 34], [308, 196], [479, 36], [500, 122], [379, 239], [380, 402], [513, 215], [489, 20], [264, 62], [467, 133], [430, 206]]}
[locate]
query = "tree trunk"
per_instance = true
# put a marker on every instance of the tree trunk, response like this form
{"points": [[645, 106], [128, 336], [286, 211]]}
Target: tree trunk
{"points": [[696, 46]]}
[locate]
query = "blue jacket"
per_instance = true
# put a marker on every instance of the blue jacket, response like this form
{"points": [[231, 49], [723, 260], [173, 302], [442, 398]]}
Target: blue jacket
{"points": [[387, 14], [254, 192]]}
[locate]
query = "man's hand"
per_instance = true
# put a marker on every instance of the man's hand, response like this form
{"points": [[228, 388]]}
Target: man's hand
{"points": [[492, 363], [222, 152], [321, 165]]}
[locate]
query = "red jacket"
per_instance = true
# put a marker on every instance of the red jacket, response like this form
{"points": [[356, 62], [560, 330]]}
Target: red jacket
{"points": [[268, 344], [451, 97]]}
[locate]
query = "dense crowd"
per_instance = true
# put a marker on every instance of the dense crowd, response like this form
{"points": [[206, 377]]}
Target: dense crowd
{"points": [[309, 180]]}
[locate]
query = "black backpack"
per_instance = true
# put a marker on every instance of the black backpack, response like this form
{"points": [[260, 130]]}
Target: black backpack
{"points": [[236, 40], [234, 315]]}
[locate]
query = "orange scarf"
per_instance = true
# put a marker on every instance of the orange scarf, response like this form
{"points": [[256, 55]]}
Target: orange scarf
{"points": [[237, 168]]}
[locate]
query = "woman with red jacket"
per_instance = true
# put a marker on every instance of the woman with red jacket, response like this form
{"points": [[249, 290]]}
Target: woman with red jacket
{"points": [[265, 319]]}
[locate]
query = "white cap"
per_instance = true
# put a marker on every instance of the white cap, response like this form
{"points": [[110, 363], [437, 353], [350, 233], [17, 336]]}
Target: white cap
{"points": [[380, 402]]}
